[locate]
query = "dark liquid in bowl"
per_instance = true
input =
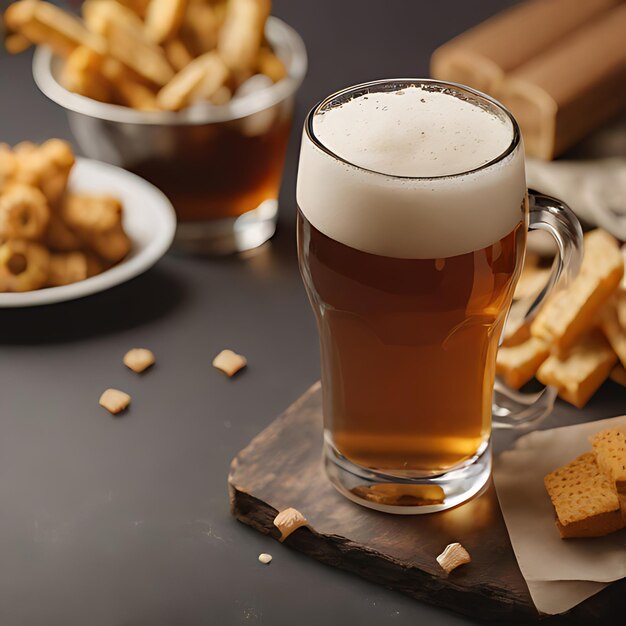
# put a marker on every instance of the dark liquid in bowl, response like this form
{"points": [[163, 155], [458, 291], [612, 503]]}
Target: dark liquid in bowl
{"points": [[217, 171]]}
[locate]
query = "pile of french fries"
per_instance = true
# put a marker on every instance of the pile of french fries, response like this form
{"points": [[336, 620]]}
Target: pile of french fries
{"points": [[578, 338], [151, 55], [48, 236]]}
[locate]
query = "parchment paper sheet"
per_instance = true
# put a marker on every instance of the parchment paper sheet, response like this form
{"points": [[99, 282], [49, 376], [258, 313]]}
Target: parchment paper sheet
{"points": [[560, 574]]}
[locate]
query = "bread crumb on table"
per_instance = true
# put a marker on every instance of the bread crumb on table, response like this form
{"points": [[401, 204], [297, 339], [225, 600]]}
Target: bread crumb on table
{"points": [[114, 400], [139, 359], [229, 362]]}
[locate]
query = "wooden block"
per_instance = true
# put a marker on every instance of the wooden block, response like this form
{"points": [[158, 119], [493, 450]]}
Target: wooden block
{"points": [[282, 468], [562, 94], [571, 313], [579, 373], [482, 56]]}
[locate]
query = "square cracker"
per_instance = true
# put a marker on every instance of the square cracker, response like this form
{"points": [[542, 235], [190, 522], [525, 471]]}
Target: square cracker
{"points": [[585, 499]]}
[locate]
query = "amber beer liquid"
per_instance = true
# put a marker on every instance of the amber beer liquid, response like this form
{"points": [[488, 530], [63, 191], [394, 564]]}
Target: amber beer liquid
{"points": [[408, 348], [412, 225]]}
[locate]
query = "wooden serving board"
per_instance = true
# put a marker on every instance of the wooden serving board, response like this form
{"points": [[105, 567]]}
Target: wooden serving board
{"points": [[282, 467]]}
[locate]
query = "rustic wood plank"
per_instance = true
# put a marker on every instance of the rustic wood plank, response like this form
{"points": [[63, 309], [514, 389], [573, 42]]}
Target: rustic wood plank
{"points": [[282, 467]]}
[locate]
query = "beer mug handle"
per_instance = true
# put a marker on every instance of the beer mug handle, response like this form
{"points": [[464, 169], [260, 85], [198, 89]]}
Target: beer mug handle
{"points": [[516, 409]]}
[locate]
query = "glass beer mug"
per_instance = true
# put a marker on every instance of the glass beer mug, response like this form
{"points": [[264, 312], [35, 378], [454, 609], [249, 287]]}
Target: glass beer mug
{"points": [[412, 222]]}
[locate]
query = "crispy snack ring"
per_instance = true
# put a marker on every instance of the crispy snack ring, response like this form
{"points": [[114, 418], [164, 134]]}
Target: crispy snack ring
{"points": [[66, 268], [24, 265], [112, 245], [24, 213], [47, 166], [59, 238], [44, 23], [8, 165], [97, 221], [87, 214]]}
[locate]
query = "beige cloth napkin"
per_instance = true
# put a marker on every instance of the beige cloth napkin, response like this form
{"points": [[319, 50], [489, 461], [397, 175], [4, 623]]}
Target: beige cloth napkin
{"points": [[560, 574], [595, 190]]}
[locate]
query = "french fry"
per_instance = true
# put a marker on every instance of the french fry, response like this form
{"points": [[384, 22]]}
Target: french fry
{"points": [[241, 35], [138, 53], [81, 74], [200, 28], [98, 14], [270, 65], [221, 96], [128, 88], [163, 19], [518, 364], [137, 6], [44, 23], [207, 73], [177, 54], [571, 313], [580, 372], [613, 330]]}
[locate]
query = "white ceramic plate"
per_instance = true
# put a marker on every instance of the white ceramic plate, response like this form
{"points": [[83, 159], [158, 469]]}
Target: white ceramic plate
{"points": [[149, 220]]}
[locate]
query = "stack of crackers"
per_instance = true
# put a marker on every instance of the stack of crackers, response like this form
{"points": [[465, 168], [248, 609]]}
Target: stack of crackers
{"points": [[578, 338], [152, 54], [589, 494], [48, 236]]}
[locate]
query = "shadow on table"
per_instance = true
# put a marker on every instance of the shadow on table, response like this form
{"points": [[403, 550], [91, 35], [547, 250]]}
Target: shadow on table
{"points": [[141, 300]]}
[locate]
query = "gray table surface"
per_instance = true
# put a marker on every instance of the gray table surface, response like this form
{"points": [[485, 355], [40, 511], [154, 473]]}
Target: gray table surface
{"points": [[125, 521]]}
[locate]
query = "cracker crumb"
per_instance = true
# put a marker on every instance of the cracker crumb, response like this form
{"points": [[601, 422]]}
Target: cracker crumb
{"points": [[139, 359], [229, 362], [289, 520], [453, 556], [114, 400]]}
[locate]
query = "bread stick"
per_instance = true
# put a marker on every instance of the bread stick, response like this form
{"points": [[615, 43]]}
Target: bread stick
{"points": [[581, 371], [571, 313]]}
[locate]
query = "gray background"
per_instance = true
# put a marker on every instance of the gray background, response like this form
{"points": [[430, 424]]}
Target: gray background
{"points": [[125, 521]]}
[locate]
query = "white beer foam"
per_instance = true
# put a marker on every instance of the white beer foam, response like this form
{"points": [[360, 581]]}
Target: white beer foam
{"points": [[417, 133]]}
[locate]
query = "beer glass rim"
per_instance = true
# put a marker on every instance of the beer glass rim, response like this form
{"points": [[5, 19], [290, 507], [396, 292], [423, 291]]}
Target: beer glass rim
{"points": [[394, 84]]}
